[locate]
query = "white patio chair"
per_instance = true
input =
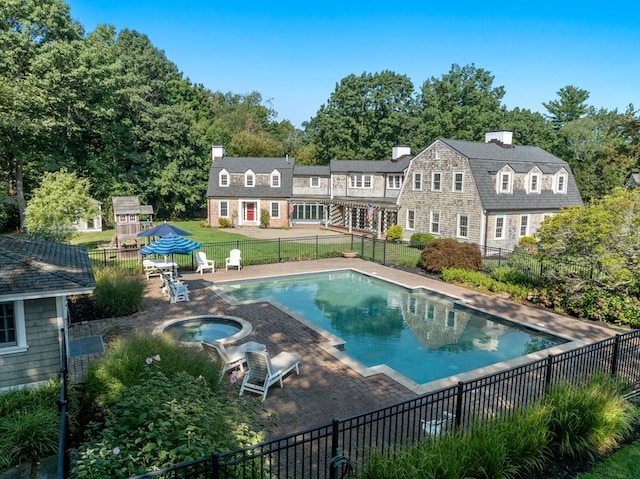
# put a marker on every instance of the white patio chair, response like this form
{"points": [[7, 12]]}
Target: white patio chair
{"points": [[150, 268], [234, 260], [232, 358], [264, 371], [204, 264], [435, 427], [178, 291]]}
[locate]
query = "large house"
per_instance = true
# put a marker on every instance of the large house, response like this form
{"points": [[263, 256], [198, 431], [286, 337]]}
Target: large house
{"points": [[490, 193], [37, 277]]}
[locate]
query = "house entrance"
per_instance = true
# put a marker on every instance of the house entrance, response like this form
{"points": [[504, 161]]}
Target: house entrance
{"points": [[249, 212]]}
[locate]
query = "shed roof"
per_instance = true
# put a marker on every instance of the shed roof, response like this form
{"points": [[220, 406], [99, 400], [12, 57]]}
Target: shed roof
{"points": [[40, 269]]}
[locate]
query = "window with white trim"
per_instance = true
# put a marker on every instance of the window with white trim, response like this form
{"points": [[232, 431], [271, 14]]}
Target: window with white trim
{"points": [[463, 225], [275, 179], [314, 182], [411, 219], [13, 337], [394, 182], [361, 181], [524, 225], [500, 224], [458, 181], [275, 209], [434, 223], [437, 154], [249, 179], [505, 182], [223, 209], [436, 181], [534, 183], [417, 181], [560, 182], [223, 178]]}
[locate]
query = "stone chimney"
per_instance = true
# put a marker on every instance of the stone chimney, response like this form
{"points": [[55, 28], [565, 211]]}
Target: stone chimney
{"points": [[400, 151], [503, 138], [217, 151]]}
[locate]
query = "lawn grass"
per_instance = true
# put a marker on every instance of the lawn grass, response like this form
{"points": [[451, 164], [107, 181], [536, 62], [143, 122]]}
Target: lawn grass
{"points": [[623, 464]]}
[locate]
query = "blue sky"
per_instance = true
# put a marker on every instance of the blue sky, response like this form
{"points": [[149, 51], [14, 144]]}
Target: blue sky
{"points": [[294, 53]]}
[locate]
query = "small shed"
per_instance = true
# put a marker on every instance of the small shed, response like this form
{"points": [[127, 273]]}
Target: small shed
{"points": [[130, 218]]}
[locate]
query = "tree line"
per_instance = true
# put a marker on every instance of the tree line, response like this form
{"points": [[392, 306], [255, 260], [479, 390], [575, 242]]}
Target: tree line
{"points": [[111, 108]]}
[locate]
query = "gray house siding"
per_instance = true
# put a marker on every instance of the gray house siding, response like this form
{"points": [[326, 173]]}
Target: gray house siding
{"points": [[447, 202], [41, 361]]}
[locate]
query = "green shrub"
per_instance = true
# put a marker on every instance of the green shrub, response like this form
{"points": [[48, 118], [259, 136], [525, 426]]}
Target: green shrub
{"points": [[224, 223], [394, 233], [125, 361], [589, 420], [29, 425], [118, 292], [162, 421], [480, 280], [528, 244], [264, 218], [419, 240], [449, 253]]}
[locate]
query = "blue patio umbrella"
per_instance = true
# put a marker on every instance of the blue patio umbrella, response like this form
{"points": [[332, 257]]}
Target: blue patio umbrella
{"points": [[170, 244], [164, 229]]}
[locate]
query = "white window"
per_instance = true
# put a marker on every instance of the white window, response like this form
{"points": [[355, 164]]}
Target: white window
{"points": [[223, 209], [275, 179], [13, 337], [458, 181], [394, 182], [122, 218], [436, 181], [561, 183], [417, 181], [463, 225], [314, 182], [360, 181], [534, 183], [524, 225], [249, 179], [411, 219], [435, 223], [500, 223], [505, 182], [275, 209], [223, 178], [133, 218], [437, 154]]}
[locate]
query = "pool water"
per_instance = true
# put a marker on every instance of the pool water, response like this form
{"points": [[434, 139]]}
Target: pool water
{"points": [[421, 334]]}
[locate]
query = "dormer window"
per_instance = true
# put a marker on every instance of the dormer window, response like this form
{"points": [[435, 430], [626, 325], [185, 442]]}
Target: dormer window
{"points": [[223, 178], [533, 181], [560, 182], [249, 179], [504, 182], [275, 179], [394, 182]]}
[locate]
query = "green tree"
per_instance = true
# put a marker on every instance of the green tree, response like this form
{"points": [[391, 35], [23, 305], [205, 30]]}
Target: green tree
{"points": [[61, 199], [568, 107], [463, 104], [364, 118], [529, 128], [601, 237]]}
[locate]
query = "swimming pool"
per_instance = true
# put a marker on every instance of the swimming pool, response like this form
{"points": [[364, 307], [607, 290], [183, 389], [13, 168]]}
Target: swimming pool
{"points": [[422, 335]]}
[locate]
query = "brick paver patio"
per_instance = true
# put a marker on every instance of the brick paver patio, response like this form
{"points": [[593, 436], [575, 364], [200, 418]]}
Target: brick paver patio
{"points": [[326, 388]]}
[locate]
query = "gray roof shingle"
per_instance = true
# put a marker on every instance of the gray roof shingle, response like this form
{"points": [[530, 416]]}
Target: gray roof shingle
{"points": [[486, 159], [38, 269], [239, 165]]}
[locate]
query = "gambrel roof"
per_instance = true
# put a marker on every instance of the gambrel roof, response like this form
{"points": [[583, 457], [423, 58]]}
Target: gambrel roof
{"points": [[487, 159], [41, 269], [240, 165]]}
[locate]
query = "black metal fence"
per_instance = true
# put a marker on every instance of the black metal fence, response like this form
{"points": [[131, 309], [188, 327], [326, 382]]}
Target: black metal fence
{"points": [[63, 411], [330, 246], [343, 445]]}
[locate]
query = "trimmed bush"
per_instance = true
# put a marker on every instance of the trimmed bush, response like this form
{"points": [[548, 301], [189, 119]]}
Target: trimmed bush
{"points": [[118, 292], [394, 233], [419, 240], [528, 244], [449, 253]]}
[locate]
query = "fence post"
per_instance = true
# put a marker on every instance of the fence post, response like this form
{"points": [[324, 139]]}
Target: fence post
{"points": [[384, 251], [458, 418], [279, 250], [317, 247], [547, 377], [373, 250], [335, 450], [362, 246], [215, 465], [614, 359]]}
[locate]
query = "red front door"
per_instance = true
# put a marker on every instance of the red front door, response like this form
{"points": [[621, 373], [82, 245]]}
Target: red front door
{"points": [[251, 211]]}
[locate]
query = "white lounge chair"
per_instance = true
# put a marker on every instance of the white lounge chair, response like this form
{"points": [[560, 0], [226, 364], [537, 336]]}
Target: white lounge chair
{"points": [[150, 268], [232, 358], [264, 371], [204, 264], [234, 260], [435, 427]]}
